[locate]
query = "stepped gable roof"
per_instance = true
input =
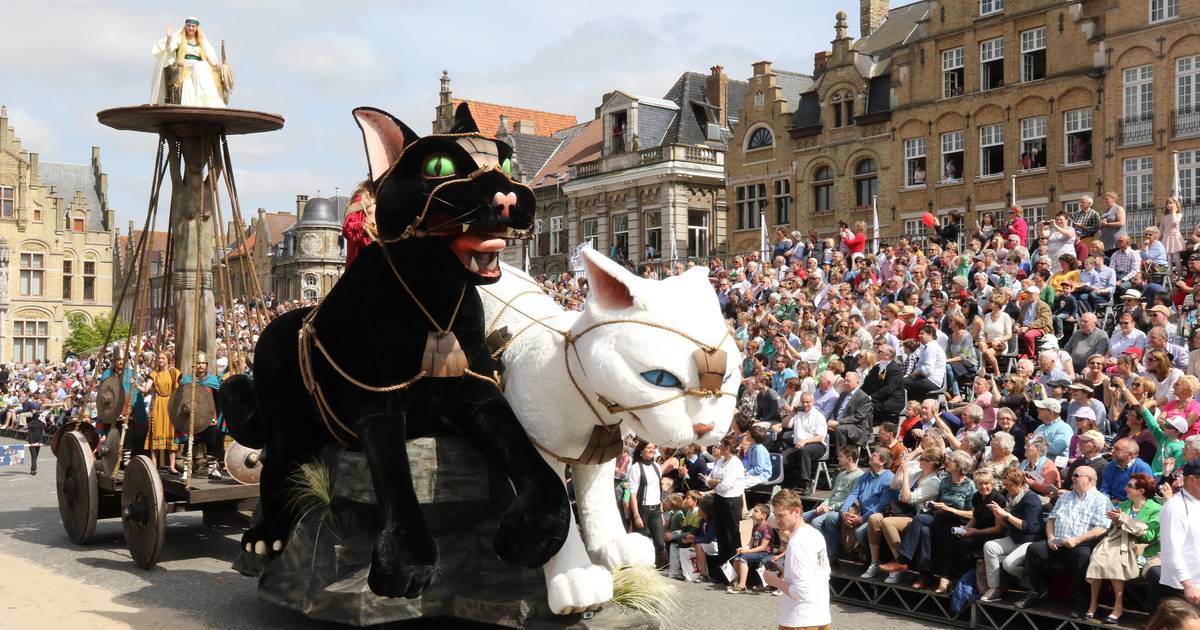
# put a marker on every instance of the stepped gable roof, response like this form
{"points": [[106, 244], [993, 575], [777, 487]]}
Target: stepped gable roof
{"points": [[791, 86]]}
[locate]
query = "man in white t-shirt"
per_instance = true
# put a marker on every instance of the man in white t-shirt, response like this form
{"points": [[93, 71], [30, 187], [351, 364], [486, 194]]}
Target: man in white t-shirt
{"points": [[804, 581]]}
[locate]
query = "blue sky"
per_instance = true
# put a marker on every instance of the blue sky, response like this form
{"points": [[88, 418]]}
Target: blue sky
{"points": [[313, 61]]}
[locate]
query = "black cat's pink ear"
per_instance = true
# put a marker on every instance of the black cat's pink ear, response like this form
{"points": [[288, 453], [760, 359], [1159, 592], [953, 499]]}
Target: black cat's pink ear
{"points": [[384, 138], [464, 122], [607, 281]]}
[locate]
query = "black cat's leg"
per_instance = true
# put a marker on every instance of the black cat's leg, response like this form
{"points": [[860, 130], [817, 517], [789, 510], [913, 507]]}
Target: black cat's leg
{"points": [[279, 462], [405, 554], [534, 527]]}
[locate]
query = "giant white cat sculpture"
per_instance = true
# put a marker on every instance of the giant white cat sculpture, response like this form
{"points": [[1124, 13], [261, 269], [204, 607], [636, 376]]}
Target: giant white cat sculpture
{"points": [[654, 357]]}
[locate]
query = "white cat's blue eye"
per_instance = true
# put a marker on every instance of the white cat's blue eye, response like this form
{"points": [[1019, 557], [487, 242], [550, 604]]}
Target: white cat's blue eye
{"points": [[661, 378]]}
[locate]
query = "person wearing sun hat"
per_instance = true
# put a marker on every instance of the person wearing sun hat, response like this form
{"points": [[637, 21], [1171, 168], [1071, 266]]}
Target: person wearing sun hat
{"points": [[1169, 433], [1091, 453]]}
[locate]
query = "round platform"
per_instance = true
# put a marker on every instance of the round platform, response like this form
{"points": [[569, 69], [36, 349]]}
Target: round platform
{"points": [[181, 120]]}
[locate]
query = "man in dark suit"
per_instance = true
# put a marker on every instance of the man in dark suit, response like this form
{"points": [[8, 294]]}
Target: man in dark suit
{"points": [[884, 384], [850, 422]]}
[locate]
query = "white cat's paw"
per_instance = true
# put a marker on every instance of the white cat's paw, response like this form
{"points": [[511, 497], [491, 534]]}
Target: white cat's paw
{"points": [[580, 589], [626, 549]]}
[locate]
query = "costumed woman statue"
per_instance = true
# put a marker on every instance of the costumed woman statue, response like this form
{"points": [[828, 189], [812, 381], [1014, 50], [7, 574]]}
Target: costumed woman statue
{"points": [[160, 440], [192, 69], [359, 227]]}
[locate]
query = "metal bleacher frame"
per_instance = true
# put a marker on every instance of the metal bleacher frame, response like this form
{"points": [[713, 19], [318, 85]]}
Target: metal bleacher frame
{"points": [[848, 588]]}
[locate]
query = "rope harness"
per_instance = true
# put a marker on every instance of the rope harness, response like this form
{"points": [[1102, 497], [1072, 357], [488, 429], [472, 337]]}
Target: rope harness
{"points": [[443, 358], [605, 441]]}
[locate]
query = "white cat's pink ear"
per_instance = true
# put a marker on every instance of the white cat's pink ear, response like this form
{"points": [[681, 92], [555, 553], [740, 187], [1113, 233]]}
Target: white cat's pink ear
{"points": [[384, 138], [607, 281]]}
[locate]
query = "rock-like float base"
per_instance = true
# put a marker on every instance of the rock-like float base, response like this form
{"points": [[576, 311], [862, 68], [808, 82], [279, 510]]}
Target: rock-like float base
{"points": [[323, 570]]}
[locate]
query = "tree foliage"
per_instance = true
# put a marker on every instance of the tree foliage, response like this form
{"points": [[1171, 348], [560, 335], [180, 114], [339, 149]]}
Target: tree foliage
{"points": [[87, 337]]}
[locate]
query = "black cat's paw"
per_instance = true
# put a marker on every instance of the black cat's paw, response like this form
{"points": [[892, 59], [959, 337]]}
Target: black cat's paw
{"points": [[263, 540], [531, 531], [407, 581]]}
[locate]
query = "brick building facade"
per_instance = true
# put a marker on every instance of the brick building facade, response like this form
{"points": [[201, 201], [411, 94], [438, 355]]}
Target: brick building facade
{"points": [[56, 248]]}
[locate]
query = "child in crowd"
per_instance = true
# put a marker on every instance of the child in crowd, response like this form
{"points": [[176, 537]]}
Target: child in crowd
{"points": [[682, 527], [762, 539], [704, 542]]}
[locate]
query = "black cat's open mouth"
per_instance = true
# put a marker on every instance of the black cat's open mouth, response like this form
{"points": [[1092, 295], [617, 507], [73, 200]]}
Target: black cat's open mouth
{"points": [[479, 253]]}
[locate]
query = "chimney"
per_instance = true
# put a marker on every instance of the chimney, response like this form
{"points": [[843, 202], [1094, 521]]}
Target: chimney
{"points": [[503, 128], [300, 201], [871, 15], [33, 170], [717, 89], [821, 61], [523, 126], [3, 127]]}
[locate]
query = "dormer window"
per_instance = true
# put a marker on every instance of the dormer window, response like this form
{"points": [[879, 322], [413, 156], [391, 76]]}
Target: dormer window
{"points": [[619, 124]]}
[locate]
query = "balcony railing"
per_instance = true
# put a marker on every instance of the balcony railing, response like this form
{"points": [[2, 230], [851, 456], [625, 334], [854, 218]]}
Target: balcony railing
{"points": [[1137, 129], [1185, 122], [652, 155], [1143, 216]]}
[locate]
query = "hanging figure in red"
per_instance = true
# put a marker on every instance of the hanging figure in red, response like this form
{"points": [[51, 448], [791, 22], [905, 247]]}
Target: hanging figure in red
{"points": [[359, 226]]}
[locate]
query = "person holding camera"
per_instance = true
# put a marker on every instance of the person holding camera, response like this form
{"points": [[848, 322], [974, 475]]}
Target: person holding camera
{"points": [[803, 580]]}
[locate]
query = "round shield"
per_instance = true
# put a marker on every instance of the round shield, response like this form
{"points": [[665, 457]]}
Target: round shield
{"points": [[243, 463], [143, 512], [110, 399], [110, 453], [78, 493], [186, 418], [84, 427]]}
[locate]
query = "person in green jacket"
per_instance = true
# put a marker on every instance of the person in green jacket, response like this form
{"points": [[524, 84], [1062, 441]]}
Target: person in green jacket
{"points": [[843, 483], [1169, 433], [1135, 522]]}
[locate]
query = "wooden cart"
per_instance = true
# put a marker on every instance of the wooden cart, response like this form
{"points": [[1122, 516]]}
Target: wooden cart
{"points": [[139, 494]]}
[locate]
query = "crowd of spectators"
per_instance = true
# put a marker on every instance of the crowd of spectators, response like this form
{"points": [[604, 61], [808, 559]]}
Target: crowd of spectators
{"points": [[1022, 395]]}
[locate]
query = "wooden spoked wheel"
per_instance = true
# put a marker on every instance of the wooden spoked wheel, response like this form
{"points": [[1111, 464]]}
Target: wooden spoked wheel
{"points": [[78, 493], [143, 512]]}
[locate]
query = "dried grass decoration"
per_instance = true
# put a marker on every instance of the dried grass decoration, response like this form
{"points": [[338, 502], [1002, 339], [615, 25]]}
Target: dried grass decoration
{"points": [[644, 589]]}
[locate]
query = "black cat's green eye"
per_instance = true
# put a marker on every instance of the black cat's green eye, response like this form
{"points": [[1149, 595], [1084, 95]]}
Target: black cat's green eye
{"points": [[507, 166], [439, 165]]}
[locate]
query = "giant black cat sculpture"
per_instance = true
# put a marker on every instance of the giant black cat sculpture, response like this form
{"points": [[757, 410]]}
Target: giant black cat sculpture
{"points": [[397, 351]]}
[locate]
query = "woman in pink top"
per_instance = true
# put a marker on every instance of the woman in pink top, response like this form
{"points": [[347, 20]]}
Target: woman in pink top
{"points": [[983, 397], [1185, 403], [1017, 226]]}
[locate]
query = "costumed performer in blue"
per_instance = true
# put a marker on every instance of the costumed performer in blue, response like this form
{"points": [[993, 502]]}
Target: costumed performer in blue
{"points": [[213, 436], [135, 441]]}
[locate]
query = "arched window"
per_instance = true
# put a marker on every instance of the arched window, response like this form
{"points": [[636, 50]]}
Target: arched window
{"points": [[822, 183], [760, 138], [758, 99], [309, 294], [310, 280], [866, 181]]}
